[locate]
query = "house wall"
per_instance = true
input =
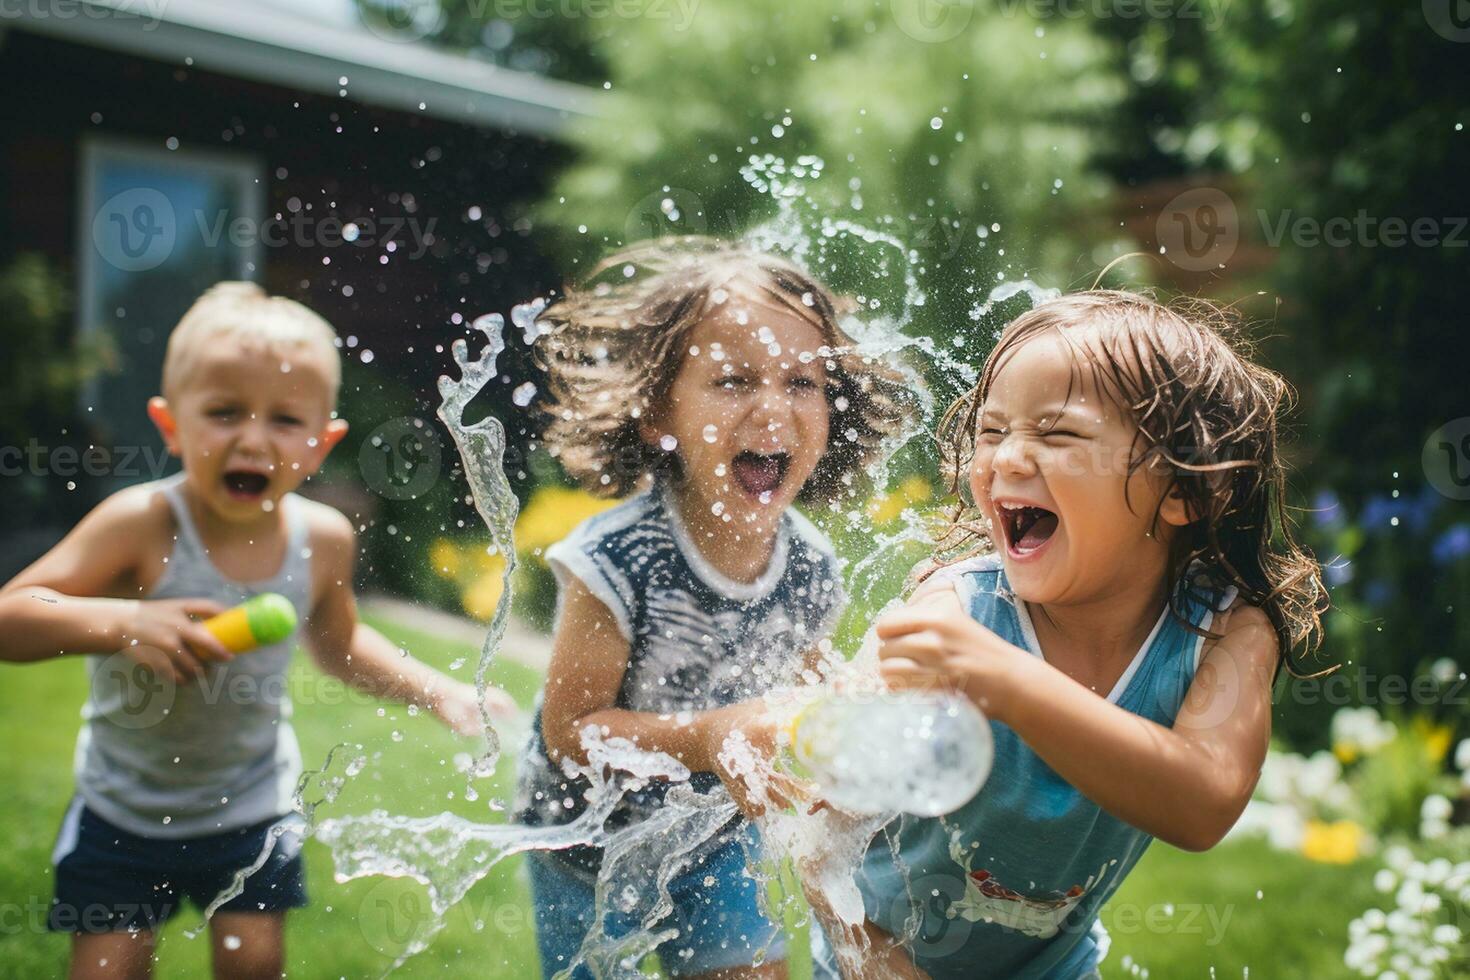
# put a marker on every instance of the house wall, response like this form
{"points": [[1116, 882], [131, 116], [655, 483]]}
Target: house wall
{"points": [[330, 158]]}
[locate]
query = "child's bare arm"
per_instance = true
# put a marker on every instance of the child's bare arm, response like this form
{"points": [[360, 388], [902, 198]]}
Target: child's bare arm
{"points": [[1186, 785], [68, 600], [880, 956], [358, 654], [589, 657]]}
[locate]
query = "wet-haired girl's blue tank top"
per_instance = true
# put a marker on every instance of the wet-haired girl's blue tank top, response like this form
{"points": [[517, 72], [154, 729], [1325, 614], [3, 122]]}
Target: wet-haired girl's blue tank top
{"points": [[1010, 884]]}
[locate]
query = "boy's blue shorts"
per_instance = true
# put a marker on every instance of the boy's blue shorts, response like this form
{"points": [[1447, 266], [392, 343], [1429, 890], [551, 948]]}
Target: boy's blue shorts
{"points": [[720, 924], [110, 880]]}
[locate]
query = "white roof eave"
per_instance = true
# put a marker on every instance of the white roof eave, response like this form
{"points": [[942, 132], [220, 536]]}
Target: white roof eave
{"points": [[234, 37]]}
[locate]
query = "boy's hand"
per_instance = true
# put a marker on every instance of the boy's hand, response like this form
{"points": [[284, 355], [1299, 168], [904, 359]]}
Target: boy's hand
{"points": [[936, 644], [459, 708], [165, 635]]}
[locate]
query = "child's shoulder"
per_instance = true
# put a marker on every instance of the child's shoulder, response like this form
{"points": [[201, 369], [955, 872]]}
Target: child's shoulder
{"points": [[141, 512], [330, 534], [638, 517], [813, 537], [975, 566]]}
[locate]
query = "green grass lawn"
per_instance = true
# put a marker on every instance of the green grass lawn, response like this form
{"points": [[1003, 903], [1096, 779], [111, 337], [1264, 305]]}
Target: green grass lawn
{"points": [[1179, 915]]}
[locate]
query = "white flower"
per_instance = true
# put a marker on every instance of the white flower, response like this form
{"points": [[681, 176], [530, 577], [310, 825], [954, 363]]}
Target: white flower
{"points": [[1446, 934], [1361, 728], [1385, 880], [1436, 807], [1462, 754], [1445, 670]]}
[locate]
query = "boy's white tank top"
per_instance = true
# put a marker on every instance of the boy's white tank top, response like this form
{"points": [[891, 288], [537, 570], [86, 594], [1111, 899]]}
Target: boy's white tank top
{"points": [[200, 757]]}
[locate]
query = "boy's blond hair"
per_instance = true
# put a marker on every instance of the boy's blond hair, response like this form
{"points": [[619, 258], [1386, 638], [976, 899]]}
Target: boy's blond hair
{"points": [[243, 311]]}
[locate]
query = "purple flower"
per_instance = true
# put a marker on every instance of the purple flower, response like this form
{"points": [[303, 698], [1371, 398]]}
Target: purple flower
{"points": [[1452, 545], [1378, 592], [1326, 508], [1378, 510], [1419, 511]]}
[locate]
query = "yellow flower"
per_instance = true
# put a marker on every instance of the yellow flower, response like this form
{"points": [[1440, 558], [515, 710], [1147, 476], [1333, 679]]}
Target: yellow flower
{"points": [[1347, 752], [886, 507], [1436, 738], [552, 513], [482, 596], [444, 556], [1339, 842], [485, 563]]}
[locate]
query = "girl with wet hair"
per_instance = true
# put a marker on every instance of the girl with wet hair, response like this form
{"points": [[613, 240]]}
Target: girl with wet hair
{"points": [[1122, 585], [715, 385]]}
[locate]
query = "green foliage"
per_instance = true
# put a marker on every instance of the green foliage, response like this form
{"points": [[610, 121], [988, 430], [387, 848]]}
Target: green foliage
{"points": [[1019, 118], [43, 372]]}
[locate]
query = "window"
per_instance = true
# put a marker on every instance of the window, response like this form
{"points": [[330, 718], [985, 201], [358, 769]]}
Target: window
{"points": [[158, 227]]}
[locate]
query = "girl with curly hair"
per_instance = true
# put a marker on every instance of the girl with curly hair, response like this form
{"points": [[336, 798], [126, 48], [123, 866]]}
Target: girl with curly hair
{"points": [[715, 384]]}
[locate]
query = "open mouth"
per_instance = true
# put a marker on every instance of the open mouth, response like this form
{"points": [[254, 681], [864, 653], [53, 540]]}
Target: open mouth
{"points": [[760, 474], [1026, 529], [246, 484]]}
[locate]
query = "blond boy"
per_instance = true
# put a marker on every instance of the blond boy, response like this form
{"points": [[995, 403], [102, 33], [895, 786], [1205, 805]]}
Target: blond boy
{"points": [[186, 758]]}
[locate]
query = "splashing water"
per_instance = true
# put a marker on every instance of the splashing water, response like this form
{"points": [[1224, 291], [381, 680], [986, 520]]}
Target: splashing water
{"points": [[448, 853], [482, 451]]}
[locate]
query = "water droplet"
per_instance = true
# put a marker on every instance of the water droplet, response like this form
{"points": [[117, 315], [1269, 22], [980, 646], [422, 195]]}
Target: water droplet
{"points": [[711, 433], [523, 394], [668, 443]]}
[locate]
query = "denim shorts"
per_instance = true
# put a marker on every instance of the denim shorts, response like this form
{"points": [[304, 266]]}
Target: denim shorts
{"points": [[111, 880], [720, 924]]}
